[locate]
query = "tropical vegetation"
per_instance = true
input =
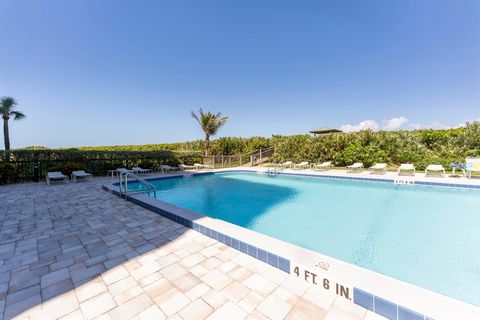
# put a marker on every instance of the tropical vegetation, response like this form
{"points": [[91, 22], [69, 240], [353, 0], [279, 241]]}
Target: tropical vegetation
{"points": [[420, 147], [210, 123]]}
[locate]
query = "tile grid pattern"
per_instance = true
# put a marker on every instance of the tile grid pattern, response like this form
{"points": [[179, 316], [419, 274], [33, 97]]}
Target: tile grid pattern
{"points": [[71, 251]]}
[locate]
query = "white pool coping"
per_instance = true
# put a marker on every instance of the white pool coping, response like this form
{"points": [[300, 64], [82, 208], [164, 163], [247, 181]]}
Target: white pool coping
{"points": [[431, 304]]}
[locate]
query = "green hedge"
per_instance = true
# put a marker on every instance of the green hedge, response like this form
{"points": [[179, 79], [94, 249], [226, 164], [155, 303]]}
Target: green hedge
{"points": [[420, 147], [9, 173], [96, 162]]}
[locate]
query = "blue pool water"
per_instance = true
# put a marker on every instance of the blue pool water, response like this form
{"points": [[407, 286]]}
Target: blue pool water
{"points": [[426, 236]]}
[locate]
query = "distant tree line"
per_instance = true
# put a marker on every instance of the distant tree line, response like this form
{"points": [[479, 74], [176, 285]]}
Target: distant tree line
{"points": [[420, 147]]}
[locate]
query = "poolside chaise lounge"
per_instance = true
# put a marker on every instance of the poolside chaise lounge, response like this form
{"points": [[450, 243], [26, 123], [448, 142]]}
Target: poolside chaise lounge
{"points": [[199, 166], [138, 170], [472, 165], [285, 164], [323, 166], [357, 166], [438, 168], [406, 167], [166, 168], [81, 174], [55, 175], [301, 165], [186, 167], [379, 167]]}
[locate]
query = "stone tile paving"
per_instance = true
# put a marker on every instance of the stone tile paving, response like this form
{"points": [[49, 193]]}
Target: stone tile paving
{"points": [[74, 251]]}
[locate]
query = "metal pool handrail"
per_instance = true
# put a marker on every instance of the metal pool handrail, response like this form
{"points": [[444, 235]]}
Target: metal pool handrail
{"points": [[123, 177]]}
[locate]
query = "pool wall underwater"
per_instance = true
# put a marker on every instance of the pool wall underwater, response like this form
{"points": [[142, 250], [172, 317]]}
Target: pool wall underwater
{"points": [[391, 298]]}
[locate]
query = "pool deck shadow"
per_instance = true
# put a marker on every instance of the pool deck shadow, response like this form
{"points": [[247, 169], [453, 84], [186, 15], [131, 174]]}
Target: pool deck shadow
{"points": [[75, 251]]}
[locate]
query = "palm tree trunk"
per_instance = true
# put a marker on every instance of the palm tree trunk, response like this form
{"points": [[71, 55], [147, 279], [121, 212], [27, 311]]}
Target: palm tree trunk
{"points": [[207, 142], [6, 139]]}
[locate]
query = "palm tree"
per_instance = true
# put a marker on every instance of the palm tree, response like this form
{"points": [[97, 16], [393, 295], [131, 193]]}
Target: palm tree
{"points": [[7, 110], [210, 123]]}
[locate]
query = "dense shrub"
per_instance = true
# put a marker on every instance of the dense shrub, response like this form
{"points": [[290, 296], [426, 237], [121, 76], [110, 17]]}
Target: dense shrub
{"points": [[420, 147], [9, 173], [96, 162]]}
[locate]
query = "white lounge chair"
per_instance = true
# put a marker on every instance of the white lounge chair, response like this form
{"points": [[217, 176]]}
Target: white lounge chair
{"points": [[357, 166], [406, 167], [301, 165], [199, 166], [381, 167], [185, 167], [287, 164], [472, 165], [166, 168], [81, 174], [438, 168], [140, 171], [55, 176], [323, 166]]}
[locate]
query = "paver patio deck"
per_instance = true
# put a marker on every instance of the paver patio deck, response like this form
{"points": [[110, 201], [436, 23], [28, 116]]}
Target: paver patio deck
{"points": [[74, 251]]}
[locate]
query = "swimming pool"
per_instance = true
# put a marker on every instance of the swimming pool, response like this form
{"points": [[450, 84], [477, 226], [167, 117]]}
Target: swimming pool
{"points": [[426, 236]]}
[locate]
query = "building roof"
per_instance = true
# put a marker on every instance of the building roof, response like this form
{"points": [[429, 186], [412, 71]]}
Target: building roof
{"points": [[325, 131]]}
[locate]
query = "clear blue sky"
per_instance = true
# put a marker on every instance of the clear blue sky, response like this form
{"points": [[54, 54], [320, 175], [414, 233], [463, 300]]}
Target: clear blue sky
{"points": [[129, 72]]}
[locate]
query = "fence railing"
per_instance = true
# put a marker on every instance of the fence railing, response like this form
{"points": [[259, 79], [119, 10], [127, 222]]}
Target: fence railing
{"points": [[248, 159], [261, 156], [225, 161]]}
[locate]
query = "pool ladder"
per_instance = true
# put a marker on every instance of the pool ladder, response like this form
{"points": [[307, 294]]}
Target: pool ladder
{"points": [[123, 185]]}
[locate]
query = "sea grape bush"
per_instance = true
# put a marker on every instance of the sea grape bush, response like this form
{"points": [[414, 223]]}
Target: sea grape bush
{"points": [[420, 147]]}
